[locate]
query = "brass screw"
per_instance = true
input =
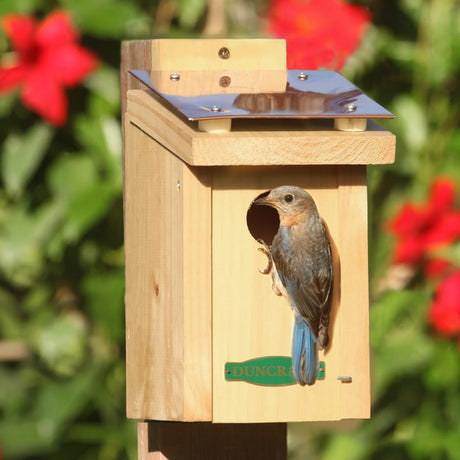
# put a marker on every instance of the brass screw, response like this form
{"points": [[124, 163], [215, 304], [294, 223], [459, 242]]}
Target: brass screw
{"points": [[224, 53], [225, 81]]}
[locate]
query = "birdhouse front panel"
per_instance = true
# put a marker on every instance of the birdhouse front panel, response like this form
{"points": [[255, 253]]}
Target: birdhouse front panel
{"points": [[250, 322]]}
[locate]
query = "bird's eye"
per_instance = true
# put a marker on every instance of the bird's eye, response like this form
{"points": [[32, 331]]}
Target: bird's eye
{"points": [[288, 198]]}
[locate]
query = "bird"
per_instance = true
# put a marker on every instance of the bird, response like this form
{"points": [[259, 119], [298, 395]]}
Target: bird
{"points": [[300, 260]]}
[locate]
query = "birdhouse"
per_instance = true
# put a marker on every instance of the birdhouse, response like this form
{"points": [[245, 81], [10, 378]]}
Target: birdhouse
{"points": [[210, 126]]}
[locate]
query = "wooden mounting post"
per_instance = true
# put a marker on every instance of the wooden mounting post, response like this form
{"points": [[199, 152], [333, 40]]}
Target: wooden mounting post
{"points": [[208, 441]]}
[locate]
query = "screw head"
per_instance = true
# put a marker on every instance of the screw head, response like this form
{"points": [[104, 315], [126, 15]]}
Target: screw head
{"points": [[350, 108], [224, 53], [174, 77], [302, 76], [225, 81], [214, 108]]}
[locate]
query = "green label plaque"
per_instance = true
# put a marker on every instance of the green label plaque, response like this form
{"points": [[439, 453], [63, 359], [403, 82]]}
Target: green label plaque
{"points": [[268, 370]]}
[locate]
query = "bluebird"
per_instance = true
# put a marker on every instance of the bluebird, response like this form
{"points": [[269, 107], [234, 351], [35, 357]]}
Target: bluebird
{"points": [[300, 263]]}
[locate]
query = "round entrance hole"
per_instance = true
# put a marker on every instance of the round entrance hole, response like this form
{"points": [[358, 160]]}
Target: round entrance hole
{"points": [[263, 221]]}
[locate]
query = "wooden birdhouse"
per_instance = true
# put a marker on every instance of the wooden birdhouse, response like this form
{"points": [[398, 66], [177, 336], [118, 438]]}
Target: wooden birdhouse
{"points": [[210, 125]]}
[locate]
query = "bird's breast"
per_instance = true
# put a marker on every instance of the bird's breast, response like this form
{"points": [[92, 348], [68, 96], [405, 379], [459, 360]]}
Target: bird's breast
{"points": [[289, 220]]}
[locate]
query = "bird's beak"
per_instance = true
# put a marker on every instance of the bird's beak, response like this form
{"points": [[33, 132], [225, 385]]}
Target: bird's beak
{"points": [[262, 201], [265, 201]]}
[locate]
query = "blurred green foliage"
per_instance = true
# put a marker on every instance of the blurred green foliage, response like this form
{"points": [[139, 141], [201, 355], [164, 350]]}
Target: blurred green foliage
{"points": [[61, 239]]}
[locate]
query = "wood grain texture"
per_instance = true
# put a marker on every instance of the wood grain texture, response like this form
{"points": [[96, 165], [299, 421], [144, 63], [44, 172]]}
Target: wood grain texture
{"points": [[249, 321], [167, 293], [136, 54], [192, 83], [176, 55], [206, 441], [354, 298], [260, 143]]}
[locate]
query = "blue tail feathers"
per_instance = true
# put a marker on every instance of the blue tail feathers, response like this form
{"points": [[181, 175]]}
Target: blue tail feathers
{"points": [[304, 355]]}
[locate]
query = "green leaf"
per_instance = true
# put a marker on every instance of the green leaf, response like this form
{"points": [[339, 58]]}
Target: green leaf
{"points": [[10, 322], [22, 155], [19, 6], [101, 137], [190, 12], [393, 311], [24, 437], [106, 305], [62, 345], [345, 447], [87, 208], [22, 238], [83, 196], [106, 18], [105, 84]]}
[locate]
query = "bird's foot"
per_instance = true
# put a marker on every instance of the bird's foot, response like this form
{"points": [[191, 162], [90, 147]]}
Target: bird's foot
{"points": [[266, 250]]}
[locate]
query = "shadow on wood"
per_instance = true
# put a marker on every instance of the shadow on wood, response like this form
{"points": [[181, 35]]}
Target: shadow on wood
{"points": [[208, 441]]}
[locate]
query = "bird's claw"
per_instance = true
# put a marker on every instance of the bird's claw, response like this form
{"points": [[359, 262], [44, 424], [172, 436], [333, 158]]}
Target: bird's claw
{"points": [[266, 250]]}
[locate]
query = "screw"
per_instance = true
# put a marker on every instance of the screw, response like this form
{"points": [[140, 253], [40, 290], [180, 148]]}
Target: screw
{"points": [[214, 108], [302, 76], [351, 107], [174, 77], [179, 185], [344, 378], [224, 53], [225, 81]]}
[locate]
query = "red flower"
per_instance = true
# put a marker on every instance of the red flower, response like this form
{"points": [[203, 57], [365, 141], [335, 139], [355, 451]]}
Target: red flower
{"points": [[423, 229], [48, 59], [318, 33], [444, 314]]}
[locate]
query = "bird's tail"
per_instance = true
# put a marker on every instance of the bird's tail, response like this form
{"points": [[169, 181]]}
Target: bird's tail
{"points": [[304, 354]]}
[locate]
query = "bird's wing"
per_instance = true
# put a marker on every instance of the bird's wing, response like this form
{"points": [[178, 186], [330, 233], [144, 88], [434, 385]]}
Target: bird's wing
{"points": [[308, 288]]}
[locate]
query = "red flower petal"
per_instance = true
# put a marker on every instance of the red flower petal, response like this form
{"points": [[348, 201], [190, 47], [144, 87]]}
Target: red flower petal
{"points": [[442, 195], [444, 231], [436, 267], [21, 31], [56, 30], [50, 59], [409, 220], [69, 63], [409, 251], [444, 314], [12, 77], [45, 96], [314, 30]]}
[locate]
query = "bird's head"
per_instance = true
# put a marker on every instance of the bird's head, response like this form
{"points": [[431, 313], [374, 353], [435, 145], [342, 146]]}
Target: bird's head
{"points": [[292, 203]]}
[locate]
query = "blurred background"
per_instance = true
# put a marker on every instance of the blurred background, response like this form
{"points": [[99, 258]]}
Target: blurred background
{"points": [[62, 374]]}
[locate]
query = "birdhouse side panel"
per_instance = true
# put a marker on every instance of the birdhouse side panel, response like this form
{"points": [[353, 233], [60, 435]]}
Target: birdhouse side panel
{"points": [[154, 315], [168, 370]]}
